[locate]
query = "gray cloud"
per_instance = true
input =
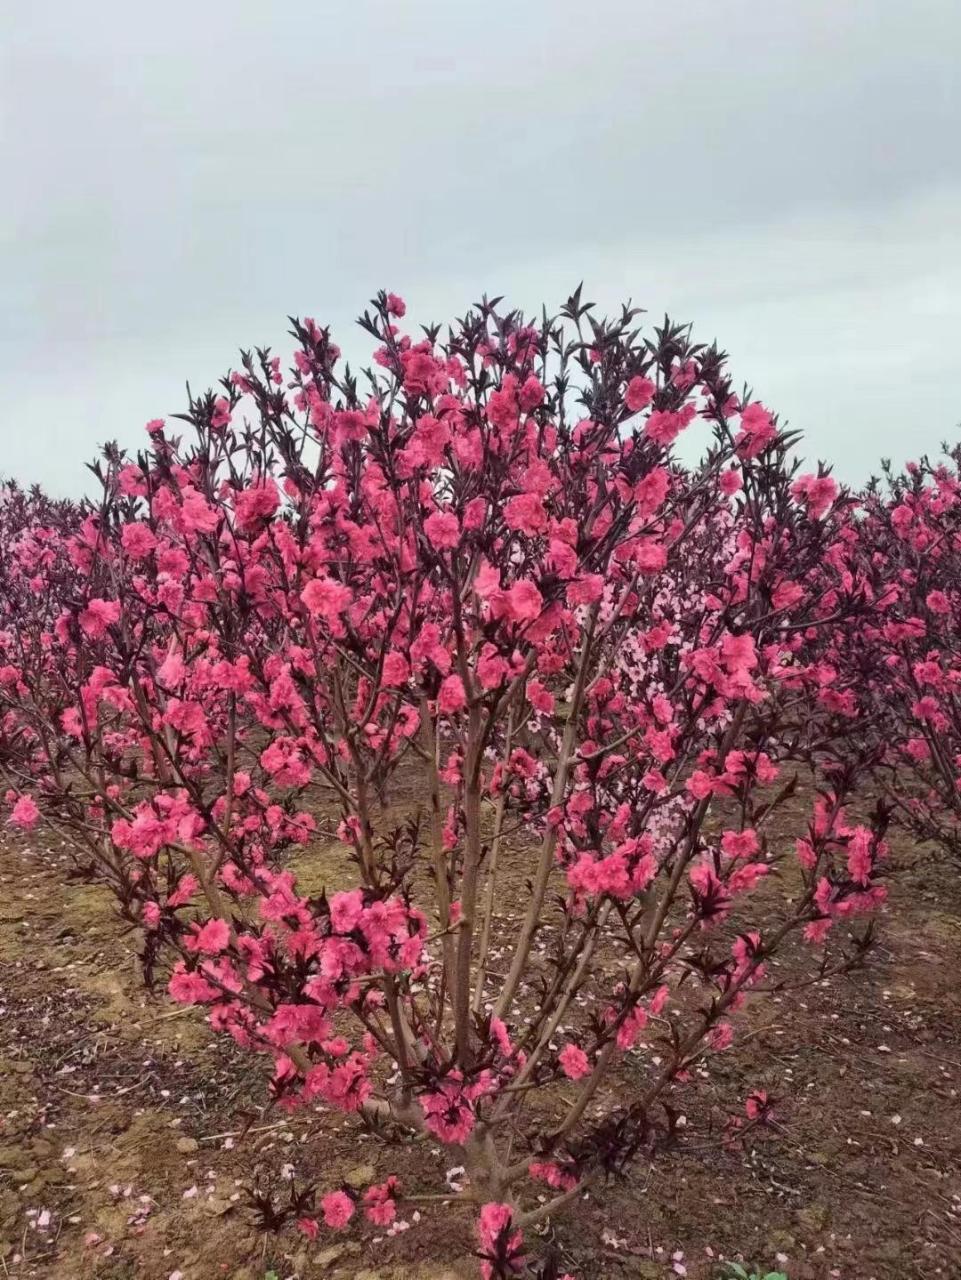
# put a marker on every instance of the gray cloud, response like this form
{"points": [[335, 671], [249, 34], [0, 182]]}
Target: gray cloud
{"points": [[786, 176]]}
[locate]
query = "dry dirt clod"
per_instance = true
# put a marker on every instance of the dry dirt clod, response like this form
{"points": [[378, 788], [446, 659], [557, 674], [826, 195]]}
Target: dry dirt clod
{"points": [[19, 1066], [814, 1217], [327, 1257], [360, 1176], [217, 1206]]}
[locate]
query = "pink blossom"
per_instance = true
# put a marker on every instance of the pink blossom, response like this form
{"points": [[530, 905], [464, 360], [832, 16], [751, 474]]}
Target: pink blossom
{"points": [[860, 855], [531, 394], [539, 697], [631, 1028], [552, 1174], [740, 844], [722, 1037], [442, 529], [25, 813], [525, 513], [138, 540], [639, 394], [190, 988], [220, 417], [326, 598], [211, 938], [523, 602], [380, 1205], [757, 431], [396, 668], [498, 1242], [256, 504], [816, 492], [346, 908], [98, 616], [938, 602], [586, 589], [650, 556], [757, 1106], [573, 1062], [448, 1111], [338, 1209], [452, 697]]}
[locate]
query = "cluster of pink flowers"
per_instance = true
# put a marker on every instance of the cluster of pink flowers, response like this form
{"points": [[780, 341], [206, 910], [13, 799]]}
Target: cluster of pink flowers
{"points": [[502, 1247]]}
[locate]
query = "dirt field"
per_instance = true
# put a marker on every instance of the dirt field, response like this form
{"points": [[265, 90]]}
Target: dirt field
{"points": [[121, 1154]]}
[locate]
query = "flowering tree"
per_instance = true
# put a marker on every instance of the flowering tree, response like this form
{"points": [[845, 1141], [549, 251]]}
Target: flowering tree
{"points": [[478, 564], [905, 662], [36, 581]]}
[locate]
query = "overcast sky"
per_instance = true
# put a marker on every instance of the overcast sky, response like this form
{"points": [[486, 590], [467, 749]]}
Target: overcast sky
{"points": [[179, 177]]}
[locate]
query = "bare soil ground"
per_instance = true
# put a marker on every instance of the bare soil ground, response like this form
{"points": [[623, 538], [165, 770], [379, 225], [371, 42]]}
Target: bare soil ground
{"points": [[122, 1152]]}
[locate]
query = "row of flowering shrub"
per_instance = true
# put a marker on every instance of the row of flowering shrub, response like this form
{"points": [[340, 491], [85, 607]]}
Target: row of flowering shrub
{"points": [[479, 563]]}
